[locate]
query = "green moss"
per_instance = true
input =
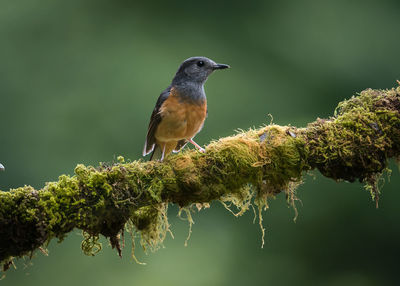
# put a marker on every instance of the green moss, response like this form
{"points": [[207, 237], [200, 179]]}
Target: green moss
{"points": [[152, 224], [284, 158], [356, 143], [242, 172], [90, 244]]}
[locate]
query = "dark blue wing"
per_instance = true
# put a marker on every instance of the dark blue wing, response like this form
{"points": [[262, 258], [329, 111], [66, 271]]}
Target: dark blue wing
{"points": [[155, 119]]}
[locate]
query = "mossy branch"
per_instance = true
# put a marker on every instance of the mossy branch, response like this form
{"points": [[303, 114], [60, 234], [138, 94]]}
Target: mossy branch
{"points": [[354, 144]]}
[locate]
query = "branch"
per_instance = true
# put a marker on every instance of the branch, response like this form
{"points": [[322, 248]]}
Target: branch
{"points": [[354, 144]]}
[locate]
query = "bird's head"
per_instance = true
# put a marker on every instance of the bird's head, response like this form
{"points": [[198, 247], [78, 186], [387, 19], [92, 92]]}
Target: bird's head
{"points": [[197, 69]]}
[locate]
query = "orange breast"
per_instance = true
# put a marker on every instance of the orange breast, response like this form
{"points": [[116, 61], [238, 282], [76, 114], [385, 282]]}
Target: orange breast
{"points": [[180, 119], [195, 116]]}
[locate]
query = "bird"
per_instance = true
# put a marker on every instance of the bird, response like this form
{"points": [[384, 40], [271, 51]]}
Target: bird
{"points": [[180, 110]]}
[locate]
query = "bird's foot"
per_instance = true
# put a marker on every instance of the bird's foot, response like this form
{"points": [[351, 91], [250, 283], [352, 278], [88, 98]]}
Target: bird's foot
{"points": [[202, 150]]}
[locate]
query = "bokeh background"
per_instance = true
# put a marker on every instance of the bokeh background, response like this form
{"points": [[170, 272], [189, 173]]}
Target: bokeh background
{"points": [[79, 79]]}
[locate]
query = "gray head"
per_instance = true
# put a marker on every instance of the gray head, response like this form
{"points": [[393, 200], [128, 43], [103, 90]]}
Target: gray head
{"points": [[196, 70]]}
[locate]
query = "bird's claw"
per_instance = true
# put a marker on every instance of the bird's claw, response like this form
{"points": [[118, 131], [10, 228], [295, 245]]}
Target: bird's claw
{"points": [[197, 146]]}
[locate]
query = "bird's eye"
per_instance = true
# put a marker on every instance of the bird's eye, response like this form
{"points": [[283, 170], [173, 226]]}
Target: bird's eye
{"points": [[200, 63]]}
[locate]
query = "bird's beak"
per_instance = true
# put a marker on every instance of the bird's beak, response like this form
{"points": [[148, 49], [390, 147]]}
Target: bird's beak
{"points": [[220, 67]]}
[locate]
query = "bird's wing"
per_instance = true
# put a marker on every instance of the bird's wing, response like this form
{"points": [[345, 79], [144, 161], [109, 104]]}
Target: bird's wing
{"points": [[155, 119]]}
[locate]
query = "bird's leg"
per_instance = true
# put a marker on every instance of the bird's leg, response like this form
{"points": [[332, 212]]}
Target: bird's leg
{"points": [[163, 152], [197, 146]]}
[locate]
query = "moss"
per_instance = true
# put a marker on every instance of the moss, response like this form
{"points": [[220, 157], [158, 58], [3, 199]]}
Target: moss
{"points": [[284, 158], [152, 224], [90, 244], [241, 200], [189, 218], [356, 143], [241, 171]]}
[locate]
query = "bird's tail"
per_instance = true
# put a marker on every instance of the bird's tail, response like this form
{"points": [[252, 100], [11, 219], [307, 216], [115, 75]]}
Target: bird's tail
{"points": [[162, 150]]}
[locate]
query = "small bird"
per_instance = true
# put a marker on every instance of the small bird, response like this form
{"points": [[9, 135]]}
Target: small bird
{"points": [[180, 110]]}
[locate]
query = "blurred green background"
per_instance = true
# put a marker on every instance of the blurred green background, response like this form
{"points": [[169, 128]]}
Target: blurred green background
{"points": [[79, 79]]}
